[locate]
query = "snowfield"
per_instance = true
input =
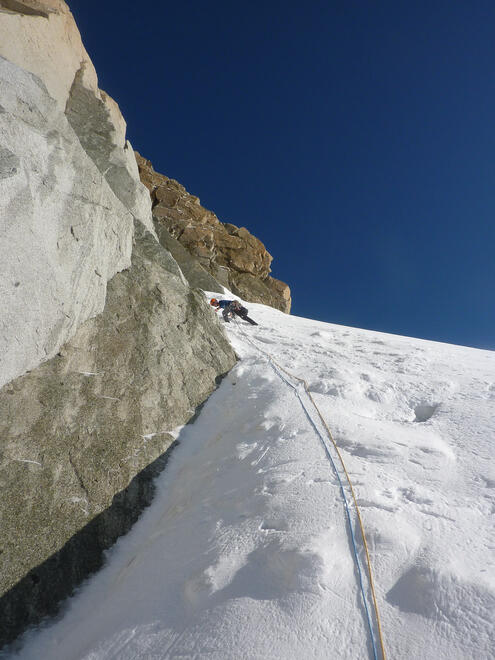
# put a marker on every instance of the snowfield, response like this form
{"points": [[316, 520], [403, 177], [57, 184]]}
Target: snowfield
{"points": [[246, 551]]}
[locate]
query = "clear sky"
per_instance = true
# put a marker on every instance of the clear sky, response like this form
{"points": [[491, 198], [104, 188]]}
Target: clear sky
{"points": [[356, 139]]}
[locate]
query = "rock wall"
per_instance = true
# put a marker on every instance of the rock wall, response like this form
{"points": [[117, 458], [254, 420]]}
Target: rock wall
{"points": [[78, 429], [104, 346], [63, 232], [69, 185], [233, 256]]}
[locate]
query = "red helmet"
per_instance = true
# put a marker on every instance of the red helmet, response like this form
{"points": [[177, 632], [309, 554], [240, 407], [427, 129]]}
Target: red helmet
{"points": [[213, 301]]}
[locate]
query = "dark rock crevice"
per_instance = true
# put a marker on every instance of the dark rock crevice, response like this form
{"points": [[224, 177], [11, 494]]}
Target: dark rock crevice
{"points": [[39, 594]]}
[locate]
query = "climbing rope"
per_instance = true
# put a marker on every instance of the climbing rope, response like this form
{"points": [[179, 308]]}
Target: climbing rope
{"points": [[276, 366]]}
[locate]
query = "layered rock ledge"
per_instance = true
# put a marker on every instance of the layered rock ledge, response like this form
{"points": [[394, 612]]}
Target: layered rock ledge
{"points": [[232, 255]]}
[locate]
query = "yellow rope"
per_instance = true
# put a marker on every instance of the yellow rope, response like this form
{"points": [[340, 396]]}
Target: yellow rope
{"points": [[361, 525]]}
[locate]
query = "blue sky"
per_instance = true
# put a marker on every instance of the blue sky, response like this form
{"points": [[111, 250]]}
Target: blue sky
{"points": [[356, 139]]}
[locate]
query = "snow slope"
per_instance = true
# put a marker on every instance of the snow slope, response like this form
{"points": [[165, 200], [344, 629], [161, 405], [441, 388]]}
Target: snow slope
{"points": [[246, 551]]}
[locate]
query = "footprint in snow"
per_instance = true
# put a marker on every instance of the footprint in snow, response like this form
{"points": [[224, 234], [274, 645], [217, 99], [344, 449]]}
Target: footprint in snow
{"points": [[366, 503], [425, 411], [326, 387], [374, 395], [274, 526], [416, 497], [489, 481], [267, 340], [319, 480]]}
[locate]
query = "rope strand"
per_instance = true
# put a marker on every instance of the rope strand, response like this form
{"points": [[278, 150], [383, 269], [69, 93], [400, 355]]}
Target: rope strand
{"points": [[351, 487]]}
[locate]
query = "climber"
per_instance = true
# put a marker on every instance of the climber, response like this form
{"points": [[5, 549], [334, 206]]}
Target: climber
{"points": [[231, 307]]}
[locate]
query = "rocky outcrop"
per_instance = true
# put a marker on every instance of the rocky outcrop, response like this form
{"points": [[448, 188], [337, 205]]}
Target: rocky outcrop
{"points": [[233, 256], [100, 127], [79, 428], [63, 232], [41, 37], [192, 270], [69, 185], [104, 346]]}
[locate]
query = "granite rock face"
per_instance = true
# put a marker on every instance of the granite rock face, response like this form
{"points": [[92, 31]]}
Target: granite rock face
{"points": [[42, 37], [232, 255], [100, 128], [78, 429], [63, 232], [105, 347], [69, 185], [192, 270]]}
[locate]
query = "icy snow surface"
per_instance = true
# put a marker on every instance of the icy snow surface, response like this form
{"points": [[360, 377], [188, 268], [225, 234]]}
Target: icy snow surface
{"points": [[246, 550]]}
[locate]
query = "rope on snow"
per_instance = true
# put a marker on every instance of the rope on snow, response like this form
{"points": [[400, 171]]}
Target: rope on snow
{"points": [[278, 368]]}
